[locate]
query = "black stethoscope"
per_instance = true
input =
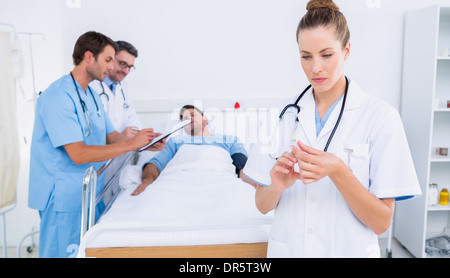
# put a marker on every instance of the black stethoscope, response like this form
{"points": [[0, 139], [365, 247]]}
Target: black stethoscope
{"points": [[85, 109], [125, 102], [297, 107]]}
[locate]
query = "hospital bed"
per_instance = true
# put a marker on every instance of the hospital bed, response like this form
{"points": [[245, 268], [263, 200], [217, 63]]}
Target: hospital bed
{"points": [[184, 213], [113, 237]]}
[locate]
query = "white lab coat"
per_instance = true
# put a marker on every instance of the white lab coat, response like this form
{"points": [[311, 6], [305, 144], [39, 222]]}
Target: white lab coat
{"points": [[120, 117], [314, 220]]}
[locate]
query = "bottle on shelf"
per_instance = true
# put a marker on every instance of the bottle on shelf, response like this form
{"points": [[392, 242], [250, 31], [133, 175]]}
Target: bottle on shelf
{"points": [[433, 195], [444, 197]]}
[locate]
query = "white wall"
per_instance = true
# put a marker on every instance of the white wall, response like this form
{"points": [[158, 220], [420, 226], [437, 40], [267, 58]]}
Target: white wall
{"points": [[200, 48], [38, 17], [241, 48]]}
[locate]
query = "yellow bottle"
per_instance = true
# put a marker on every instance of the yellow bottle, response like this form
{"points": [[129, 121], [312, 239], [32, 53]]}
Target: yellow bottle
{"points": [[444, 197]]}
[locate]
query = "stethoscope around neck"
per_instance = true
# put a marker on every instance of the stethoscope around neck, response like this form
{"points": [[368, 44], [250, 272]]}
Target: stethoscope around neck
{"points": [[103, 93], [90, 128], [298, 109]]}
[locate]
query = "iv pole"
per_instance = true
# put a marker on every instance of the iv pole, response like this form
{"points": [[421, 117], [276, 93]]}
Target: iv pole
{"points": [[10, 208], [29, 34], [32, 61]]}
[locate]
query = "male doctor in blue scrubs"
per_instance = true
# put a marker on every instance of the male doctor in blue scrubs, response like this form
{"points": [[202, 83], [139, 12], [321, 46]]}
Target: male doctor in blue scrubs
{"points": [[71, 133]]}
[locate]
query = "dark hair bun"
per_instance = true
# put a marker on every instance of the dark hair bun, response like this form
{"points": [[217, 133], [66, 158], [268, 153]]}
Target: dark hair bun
{"points": [[321, 4]]}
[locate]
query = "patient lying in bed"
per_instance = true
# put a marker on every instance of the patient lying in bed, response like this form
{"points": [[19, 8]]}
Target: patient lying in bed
{"points": [[196, 200], [220, 147]]}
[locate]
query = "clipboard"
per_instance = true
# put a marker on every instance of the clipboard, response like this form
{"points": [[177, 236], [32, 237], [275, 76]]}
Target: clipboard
{"points": [[174, 129]]}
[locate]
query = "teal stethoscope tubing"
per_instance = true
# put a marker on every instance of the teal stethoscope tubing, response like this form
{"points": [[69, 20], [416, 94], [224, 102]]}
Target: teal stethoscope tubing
{"points": [[125, 102], [84, 107]]}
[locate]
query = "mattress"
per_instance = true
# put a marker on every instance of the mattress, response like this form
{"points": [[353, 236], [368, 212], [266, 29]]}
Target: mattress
{"points": [[197, 200]]}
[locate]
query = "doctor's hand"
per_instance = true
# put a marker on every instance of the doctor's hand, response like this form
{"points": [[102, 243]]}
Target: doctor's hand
{"points": [[283, 174], [130, 131], [158, 146], [143, 138], [315, 164]]}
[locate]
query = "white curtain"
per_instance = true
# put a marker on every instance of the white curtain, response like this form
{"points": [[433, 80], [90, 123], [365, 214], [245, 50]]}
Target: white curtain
{"points": [[9, 139]]}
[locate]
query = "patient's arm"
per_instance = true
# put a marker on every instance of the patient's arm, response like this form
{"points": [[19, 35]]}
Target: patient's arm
{"points": [[149, 175]]}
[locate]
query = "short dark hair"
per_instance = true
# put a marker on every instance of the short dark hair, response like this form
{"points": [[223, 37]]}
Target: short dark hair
{"points": [[186, 107], [128, 47], [91, 41]]}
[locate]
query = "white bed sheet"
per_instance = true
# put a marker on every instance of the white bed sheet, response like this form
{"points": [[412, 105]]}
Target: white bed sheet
{"points": [[196, 200]]}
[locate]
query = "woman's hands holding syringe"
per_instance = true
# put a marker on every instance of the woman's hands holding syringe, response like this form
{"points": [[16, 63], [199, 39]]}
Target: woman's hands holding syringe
{"points": [[313, 165]]}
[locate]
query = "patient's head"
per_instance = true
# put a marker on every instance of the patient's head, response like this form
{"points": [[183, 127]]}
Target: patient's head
{"points": [[198, 127]]}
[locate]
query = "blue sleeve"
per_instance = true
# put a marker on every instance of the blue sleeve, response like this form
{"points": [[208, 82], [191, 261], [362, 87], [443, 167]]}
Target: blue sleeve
{"points": [[236, 146], [60, 119], [164, 156]]}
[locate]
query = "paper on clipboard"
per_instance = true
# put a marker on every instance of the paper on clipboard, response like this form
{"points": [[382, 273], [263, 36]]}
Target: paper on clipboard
{"points": [[175, 128]]}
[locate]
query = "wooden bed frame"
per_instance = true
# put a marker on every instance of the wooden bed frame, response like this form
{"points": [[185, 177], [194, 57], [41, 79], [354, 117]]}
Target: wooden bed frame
{"points": [[243, 250]]}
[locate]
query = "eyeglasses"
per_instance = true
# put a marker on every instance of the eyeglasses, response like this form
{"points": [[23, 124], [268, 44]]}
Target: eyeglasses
{"points": [[124, 65]]}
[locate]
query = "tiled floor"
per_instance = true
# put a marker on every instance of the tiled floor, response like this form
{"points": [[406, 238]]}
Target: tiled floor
{"points": [[12, 252], [397, 250]]}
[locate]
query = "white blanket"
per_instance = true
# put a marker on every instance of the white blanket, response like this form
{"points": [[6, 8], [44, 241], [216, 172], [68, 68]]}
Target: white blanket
{"points": [[198, 187], [196, 200]]}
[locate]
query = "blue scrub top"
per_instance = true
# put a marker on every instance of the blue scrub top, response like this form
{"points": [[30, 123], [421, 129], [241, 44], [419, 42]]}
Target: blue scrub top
{"points": [[320, 123], [60, 120]]}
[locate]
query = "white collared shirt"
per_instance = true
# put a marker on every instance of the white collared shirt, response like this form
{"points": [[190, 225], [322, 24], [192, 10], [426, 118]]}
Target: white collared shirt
{"points": [[314, 220], [120, 116]]}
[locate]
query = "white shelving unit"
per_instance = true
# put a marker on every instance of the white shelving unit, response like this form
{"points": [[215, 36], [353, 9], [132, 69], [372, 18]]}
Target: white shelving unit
{"points": [[425, 92]]}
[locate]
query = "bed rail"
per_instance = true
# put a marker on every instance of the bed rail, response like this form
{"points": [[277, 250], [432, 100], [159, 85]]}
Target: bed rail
{"points": [[89, 199]]}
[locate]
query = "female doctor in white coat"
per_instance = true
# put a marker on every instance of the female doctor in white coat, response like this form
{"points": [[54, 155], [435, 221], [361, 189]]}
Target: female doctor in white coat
{"points": [[345, 161]]}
